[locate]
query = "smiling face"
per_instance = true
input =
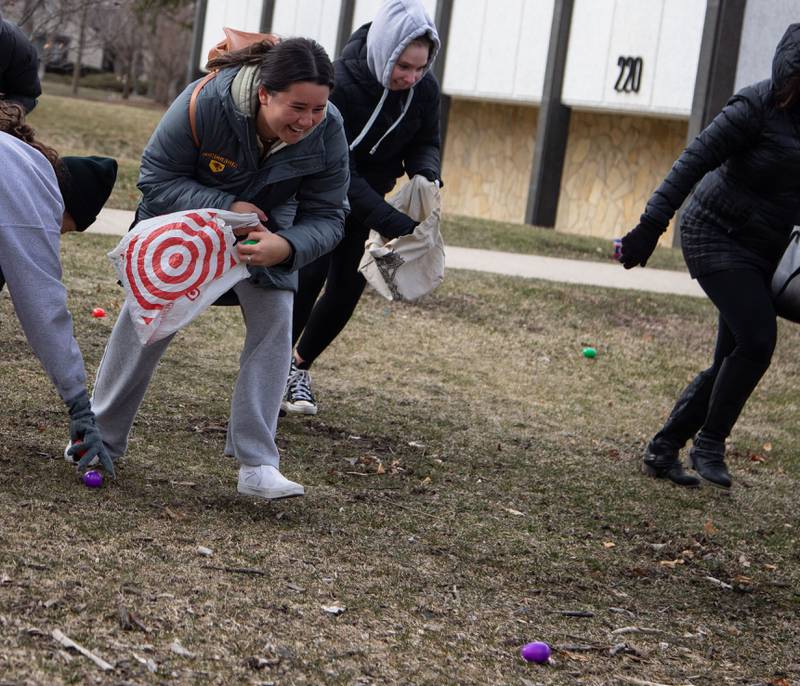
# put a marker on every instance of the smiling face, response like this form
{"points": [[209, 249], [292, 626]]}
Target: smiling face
{"points": [[409, 67], [291, 114]]}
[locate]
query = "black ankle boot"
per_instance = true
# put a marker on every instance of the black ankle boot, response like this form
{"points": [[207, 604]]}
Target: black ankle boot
{"points": [[688, 414], [707, 458], [664, 463]]}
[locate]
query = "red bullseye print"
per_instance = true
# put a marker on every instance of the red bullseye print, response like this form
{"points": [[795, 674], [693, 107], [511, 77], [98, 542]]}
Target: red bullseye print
{"points": [[176, 260]]}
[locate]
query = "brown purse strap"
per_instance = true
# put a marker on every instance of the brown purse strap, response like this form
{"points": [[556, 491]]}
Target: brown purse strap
{"points": [[193, 106]]}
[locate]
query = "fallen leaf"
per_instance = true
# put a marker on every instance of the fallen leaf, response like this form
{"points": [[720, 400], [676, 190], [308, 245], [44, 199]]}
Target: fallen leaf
{"points": [[609, 544], [416, 444], [178, 649], [757, 458], [425, 481], [205, 552], [149, 663], [173, 515], [671, 563], [767, 447], [333, 609], [719, 583], [708, 528], [514, 512]]}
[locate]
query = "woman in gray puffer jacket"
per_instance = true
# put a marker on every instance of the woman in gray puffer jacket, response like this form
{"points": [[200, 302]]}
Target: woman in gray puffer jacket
{"points": [[733, 232], [264, 139]]}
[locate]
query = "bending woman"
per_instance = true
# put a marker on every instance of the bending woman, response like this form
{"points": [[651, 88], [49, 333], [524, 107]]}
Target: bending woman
{"points": [[268, 142], [390, 103], [733, 233], [43, 196]]}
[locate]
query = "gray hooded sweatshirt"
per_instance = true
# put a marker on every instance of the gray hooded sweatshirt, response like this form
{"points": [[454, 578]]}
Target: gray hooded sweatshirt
{"points": [[31, 210], [396, 25]]}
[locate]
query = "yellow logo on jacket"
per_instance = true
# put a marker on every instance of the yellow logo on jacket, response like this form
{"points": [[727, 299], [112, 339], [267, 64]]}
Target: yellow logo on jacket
{"points": [[218, 163]]}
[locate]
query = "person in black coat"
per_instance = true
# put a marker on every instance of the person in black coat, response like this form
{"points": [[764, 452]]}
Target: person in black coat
{"points": [[733, 233], [389, 100], [19, 65]]}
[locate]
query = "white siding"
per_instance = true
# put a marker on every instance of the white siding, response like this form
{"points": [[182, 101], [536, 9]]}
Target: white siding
{"points": [[317, 19], [236, 14], [497, 49], [764, 24], [665, 34]]}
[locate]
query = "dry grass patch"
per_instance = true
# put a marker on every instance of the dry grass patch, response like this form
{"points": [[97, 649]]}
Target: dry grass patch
{"points": [[472, 484]]}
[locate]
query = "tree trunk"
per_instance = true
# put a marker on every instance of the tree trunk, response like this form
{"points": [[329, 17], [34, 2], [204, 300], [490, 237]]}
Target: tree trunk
{"points": [[76, 67]]}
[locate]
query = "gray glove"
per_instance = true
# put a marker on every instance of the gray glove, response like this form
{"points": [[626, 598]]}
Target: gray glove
{"points": [[82, 427]]}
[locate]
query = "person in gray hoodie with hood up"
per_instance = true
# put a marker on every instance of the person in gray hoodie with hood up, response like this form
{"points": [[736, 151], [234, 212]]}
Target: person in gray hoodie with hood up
{"points": [[389, 100], [746, 168]]}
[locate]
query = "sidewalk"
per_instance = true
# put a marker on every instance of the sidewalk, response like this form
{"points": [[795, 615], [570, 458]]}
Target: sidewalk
{"points": [[607, 275]]}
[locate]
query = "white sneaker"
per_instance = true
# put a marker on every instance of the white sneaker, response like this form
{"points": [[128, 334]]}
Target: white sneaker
{"points": [[75, 459], [265, 481]]}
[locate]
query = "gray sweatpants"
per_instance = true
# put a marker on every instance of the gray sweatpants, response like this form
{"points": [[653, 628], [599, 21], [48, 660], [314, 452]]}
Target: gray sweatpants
{"points": [[127, 366]]}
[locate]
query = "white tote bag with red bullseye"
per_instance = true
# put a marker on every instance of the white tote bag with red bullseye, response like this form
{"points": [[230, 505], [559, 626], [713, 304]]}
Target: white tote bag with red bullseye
{"points": [[174, 266]]}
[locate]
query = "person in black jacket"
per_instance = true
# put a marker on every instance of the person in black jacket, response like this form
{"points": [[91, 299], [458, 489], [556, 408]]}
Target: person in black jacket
{"points": [[733, 233], [19, 65], [389, 100]]}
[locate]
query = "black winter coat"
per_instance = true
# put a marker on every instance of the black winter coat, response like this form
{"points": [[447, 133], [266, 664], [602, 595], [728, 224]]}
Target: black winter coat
{"points": [[412, 147], [19, 64], [747, 162]]}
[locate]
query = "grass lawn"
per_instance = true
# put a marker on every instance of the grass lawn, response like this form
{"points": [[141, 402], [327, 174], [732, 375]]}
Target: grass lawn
{"points": [[472, 485], [471, 232], [77, 126]]}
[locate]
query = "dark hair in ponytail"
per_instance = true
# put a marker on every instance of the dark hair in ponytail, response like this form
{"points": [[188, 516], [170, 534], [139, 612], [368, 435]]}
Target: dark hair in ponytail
{"points": [[12, 122], [287, 62]]}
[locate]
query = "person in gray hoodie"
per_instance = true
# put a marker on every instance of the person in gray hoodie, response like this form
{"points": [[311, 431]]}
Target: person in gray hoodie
{"points": [[390, 103], [260, 137], [41, 197]]}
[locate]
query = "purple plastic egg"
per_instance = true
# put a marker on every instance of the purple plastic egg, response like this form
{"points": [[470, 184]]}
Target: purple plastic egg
{"points": [[538, 652], [93, 479]]}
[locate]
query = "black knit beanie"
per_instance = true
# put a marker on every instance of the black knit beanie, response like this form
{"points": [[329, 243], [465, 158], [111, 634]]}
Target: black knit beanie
{"points": [[89, 183]]}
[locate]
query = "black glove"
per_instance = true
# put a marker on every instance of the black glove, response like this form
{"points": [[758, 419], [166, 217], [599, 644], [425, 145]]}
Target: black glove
{"points": [[430, 175], [398, 224], [82, 427], [638, 244]]}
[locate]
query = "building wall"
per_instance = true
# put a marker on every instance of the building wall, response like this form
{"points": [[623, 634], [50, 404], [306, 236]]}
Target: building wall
{"points": [[663, 36], [488, 159], [613, 164], [764, 24], [317, 19], [497, 50]]}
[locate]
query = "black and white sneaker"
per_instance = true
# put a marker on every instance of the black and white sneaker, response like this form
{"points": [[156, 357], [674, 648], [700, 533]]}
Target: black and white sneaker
{"points": [[298, 398]]}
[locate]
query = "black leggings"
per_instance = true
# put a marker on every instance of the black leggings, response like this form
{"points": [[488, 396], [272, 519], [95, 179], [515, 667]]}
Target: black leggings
{"points": [[745, 343], [747, 319], [316, 323]]}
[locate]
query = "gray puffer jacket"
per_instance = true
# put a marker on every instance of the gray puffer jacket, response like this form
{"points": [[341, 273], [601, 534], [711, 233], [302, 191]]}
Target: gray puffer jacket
{"points": [[747, 163], [302, 187]]}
